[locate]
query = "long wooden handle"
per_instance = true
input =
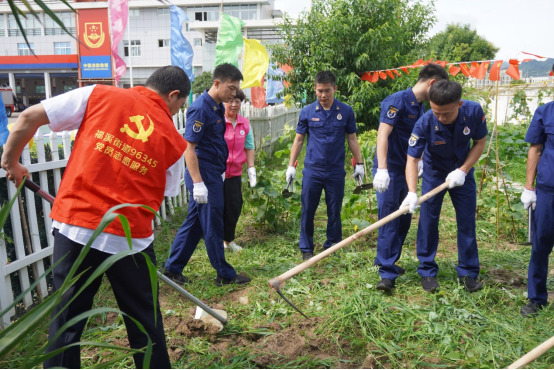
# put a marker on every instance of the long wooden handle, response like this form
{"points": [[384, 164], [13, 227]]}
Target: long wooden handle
{"points": [[531, 356], [280, 280]]}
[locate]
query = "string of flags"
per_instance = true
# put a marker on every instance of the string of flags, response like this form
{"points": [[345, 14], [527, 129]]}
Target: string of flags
{"points": [[476, 69]]}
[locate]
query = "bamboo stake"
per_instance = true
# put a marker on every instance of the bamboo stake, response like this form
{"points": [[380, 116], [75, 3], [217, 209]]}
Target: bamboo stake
{"points": [[28, 240], [369, 191], [533, 355]]}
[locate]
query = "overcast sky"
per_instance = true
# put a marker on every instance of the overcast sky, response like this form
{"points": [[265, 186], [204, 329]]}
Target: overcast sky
{"points": [[511, 25]]}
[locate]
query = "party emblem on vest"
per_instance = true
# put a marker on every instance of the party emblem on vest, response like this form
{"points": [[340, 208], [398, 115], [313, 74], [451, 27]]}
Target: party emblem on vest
{"points": [[391, 113], [142, 133], [413, 140], [466, 130], [339, 116], [197, 126], [242, 132], [93, 36]]}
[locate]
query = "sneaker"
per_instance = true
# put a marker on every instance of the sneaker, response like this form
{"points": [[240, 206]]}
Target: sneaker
{"points": [[176, 278], [531, 309], [429, 283], [400, 270], [307, 255], [234, 247], [470, 283], [385, 285], [238, 279]]}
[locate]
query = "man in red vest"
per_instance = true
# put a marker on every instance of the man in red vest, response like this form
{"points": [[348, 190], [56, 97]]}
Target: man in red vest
{"points": [[127, 150]]}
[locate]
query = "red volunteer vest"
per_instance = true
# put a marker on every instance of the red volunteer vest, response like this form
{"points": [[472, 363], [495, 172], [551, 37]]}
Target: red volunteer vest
{"points": [[124, 146]]}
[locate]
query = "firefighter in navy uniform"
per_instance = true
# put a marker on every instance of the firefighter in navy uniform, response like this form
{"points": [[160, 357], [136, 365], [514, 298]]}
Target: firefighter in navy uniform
{"points": [[443, 136], [399, 113]]}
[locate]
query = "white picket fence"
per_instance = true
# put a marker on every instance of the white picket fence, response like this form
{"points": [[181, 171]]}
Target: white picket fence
{"points": [[267, 121]]}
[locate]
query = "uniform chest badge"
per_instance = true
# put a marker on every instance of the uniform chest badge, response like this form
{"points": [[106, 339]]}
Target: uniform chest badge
{"points": [[315, 119], [242, 132], [413, 140], [391, 113], [411, 116], [466, 130], [339, 116]]}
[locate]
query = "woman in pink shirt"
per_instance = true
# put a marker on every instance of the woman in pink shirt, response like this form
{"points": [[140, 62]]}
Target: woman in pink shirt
{"points": [[240, 142]]}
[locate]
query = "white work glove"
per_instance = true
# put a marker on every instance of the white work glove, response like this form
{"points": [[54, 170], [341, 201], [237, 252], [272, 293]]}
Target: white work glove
{"points": [[200, 193], [410, 200], [381, 180], [252, 176], [457, 178], [359, 170], [223, 176], [420, 168], [291, 173], [529, 198]]}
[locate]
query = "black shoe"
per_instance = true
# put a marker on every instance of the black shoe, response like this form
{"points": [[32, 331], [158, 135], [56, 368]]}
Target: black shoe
{"points": [[385, 285], [176, 278], [238, 279], [307, 255], [429, 283], [400, 270], [470, 283], [531, 309]]}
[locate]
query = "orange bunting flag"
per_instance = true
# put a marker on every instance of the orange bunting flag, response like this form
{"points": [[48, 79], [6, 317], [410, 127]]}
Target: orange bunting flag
{"points": [[474, 66], [480, 72], [454, 70], [375, 77], [396, 72], [419, 63], [513, 70], [405, 69], [535, 55], [366, 76], [494, 74], [427, 62], [526, 60], [389, 72], [383, 75], [441, 63], [464, 69], [551, 73]]}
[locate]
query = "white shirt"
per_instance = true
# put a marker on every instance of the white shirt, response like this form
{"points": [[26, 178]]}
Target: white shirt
{"points": [[65, 112]]}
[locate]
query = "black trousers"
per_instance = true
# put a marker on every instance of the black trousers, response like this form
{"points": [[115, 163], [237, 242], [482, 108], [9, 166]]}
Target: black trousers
{"points": [[132, 288], [232, 200]]}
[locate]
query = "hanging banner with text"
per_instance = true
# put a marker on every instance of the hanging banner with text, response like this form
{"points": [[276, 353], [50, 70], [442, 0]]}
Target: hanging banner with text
{"points": [[95, 47]]}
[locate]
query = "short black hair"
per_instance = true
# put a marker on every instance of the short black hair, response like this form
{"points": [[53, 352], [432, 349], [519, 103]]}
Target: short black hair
{"points": [[169, 78], [432, 70], [225, 72], [240, 95], [325, 77], [445, 92]]}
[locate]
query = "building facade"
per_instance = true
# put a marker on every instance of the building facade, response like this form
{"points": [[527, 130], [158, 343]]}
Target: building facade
{"points": [[54, 67]]}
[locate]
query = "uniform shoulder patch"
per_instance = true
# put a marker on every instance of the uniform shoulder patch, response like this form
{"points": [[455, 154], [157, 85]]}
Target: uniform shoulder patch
{"points": [[392, 111], [413, 140], [197, 126]]}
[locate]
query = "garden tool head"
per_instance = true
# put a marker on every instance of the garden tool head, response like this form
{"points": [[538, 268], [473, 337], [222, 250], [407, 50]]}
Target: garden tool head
{"points": [[274, 283], [529, 227], [286, 193], [359, 183]]}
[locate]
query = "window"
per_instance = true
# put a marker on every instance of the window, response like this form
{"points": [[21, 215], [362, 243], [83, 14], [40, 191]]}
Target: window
{"points": [[244, 12], [52, 28], [163, 43], [23, 49], [197, 42], [31, 25], [134, 12], [163, 11], [61, 48], [204, 13], [40, 90], [135, 48], [2, 25]]}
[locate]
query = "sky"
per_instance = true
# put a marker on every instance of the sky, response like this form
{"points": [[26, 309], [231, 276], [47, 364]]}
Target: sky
{"points": [[511, 25]]}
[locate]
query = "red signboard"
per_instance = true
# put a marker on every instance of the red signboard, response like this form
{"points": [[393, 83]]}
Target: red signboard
{"points": [[95, 44]]}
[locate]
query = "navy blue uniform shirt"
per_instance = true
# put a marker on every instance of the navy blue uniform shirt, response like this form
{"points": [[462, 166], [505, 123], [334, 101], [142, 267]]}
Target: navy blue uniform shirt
{"points": [[446, 151], [206, 127], [326, 132], [402, 111], [541, 131]]}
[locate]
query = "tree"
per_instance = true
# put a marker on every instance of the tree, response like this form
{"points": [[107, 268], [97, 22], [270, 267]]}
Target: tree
{"points": [[202, 82], [349, 37], [459, 43]]}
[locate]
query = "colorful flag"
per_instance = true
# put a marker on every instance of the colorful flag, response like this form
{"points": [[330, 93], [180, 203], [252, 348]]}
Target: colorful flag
{"points": [[464, 69], [229, 40], [366, 76], [389, 72], [181, 49], [383, 75], [474, 66], [480, 72], [535, 55], [494, 74], [119, 12], [396, 72], [256, 62], [513, 70], [274, 86], [405, 69], [257, 93], [375, 77], [4, 132], [454, 70]]}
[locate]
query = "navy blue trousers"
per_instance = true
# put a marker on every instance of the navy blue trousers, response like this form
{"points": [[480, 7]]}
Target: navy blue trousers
{"points": [[393, 234], [543, 241], [313, 183], [464, 199], [203, 221]]}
